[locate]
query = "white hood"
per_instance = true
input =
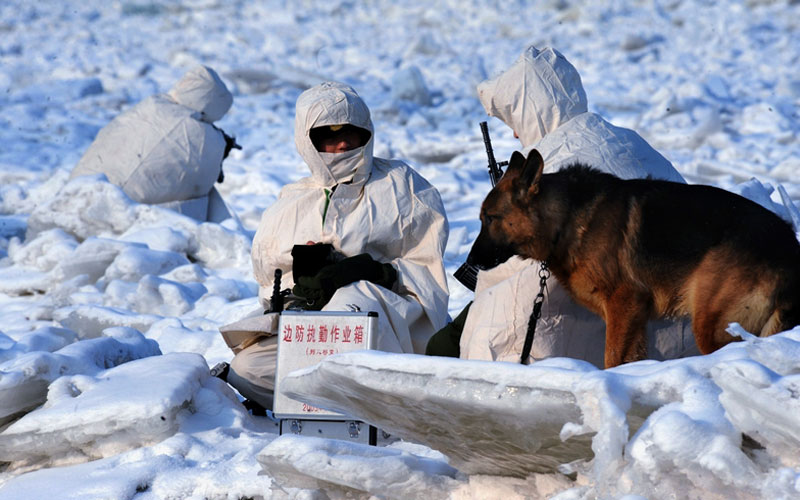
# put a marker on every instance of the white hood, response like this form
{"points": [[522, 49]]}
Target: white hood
{"points": [[202, 90], [537, 94], [333, 103]]}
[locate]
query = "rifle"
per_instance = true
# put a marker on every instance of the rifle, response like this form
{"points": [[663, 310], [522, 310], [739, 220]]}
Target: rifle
{"points": [[467, 274], [276, 301], [494, 168]]}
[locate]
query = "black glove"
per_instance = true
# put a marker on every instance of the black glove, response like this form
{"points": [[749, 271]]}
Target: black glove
{"points": [[319, 289], [308, 260], [230, 143]]}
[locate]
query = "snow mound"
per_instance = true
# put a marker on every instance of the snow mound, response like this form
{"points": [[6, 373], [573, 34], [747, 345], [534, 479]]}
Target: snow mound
{"points": [[24, 380], [86, 416], [351, 468]]}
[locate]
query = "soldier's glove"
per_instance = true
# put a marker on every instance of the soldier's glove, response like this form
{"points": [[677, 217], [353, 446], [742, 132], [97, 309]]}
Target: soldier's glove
{"points": [[230, 143], [319, 289]]}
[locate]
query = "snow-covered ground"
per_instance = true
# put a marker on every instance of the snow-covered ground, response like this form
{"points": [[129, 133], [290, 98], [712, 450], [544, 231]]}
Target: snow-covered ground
{"points": [[109, 309]]}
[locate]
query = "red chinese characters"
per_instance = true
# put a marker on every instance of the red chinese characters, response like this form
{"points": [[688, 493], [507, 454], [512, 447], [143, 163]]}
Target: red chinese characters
{"points": [[323, 334], [287, 333]]}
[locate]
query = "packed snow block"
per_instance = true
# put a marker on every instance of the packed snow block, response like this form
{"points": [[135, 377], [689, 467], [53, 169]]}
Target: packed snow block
{"points": [[91, 258], [335, 465], [92, 416], [218, 247], [155, 295], [134, 262], [24, 380], [47, 338], [764, 406], [89, 321], [21, 281], [487, 417], [85, 206]]}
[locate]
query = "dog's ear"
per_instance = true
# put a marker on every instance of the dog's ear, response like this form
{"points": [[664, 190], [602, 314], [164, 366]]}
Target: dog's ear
{"points": [[532, 171], [515, 164]]}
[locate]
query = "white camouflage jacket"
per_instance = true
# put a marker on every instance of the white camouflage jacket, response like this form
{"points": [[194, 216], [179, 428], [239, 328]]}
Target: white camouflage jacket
{"points": [[381, 207]]}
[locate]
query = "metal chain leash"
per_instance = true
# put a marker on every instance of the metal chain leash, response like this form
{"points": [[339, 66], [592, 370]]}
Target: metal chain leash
{"points": [[544, 273]]}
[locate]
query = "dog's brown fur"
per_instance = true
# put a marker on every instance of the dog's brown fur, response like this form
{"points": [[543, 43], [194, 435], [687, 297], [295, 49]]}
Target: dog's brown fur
{"points": [[633, 250]]}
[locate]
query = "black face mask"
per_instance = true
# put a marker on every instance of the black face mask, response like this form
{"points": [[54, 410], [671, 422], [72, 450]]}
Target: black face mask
{"points": [[320, 134]]}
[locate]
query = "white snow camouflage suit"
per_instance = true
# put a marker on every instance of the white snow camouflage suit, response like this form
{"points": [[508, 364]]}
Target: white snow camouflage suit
{"points": [[165, 151], [380, 207]]}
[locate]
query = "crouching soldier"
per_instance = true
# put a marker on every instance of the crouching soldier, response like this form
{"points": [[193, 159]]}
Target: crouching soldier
{"points": [[166, 151], [381, 226]]}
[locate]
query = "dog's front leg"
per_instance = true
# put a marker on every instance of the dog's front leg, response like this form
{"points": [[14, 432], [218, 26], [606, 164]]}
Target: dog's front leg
{"points": [[626, 314]]}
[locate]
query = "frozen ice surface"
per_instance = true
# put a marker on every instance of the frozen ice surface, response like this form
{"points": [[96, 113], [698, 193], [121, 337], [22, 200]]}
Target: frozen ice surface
{"points": [[712, 85]]}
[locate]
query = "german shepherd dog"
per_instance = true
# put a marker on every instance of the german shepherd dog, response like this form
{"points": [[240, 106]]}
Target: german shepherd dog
{"points": [[633, 250]]}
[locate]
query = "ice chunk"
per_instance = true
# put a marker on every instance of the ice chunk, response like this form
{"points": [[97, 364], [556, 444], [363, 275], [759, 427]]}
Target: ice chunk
{"points": [[763, 405], [47, 338], [24, 379], [131, 405], [187, 274], [92, 257], [314, 463], [487, 417], [89, 321], [21, 281], [154, 295], [212, 456], [86, 206], [134, 262], [219, 247], [231, 289], [44, 251], [161, 238]]}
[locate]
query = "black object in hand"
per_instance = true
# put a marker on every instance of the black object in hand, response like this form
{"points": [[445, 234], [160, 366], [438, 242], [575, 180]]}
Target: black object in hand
{"points": [[319, 289]]}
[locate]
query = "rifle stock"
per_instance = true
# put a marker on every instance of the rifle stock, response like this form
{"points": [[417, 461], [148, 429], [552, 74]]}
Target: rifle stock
{"points": [[276, 301]]}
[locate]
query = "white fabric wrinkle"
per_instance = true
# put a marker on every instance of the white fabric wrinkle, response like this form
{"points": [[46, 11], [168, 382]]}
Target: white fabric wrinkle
{"points": [[342, 166]]}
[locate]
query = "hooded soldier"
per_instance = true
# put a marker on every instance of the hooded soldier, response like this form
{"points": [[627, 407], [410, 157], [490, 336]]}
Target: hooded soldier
{"points": [[166, 151], [385, 222], [542, 99]]}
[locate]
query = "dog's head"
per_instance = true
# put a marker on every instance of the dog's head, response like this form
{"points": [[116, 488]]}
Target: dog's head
{"points": [[509, 218]]}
